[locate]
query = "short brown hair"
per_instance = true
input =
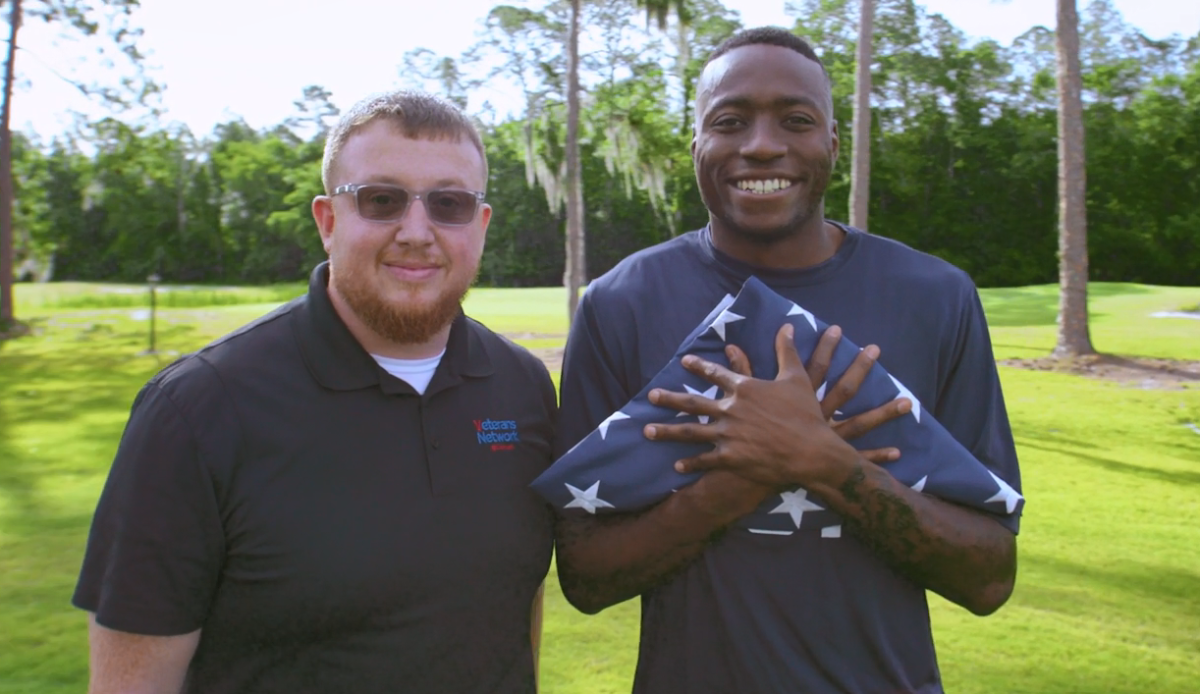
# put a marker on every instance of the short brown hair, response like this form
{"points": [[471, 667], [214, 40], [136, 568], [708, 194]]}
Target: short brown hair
{"points": [[415, 115]]}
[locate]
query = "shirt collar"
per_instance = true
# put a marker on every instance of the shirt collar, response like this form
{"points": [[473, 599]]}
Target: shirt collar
{"points": [[338, 362]]}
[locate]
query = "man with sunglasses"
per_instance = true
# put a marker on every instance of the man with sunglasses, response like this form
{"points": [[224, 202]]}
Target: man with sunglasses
{"points": [[335, 497]]}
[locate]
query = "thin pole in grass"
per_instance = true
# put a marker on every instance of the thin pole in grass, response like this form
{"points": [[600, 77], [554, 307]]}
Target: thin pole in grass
{"points": [[153, 279]]}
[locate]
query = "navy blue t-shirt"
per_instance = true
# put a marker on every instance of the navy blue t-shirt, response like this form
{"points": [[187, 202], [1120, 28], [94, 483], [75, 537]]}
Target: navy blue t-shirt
{"points": [[807, 613]]}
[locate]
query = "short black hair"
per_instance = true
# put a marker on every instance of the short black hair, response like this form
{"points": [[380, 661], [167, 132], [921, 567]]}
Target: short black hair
{"points": [[770, 36]]}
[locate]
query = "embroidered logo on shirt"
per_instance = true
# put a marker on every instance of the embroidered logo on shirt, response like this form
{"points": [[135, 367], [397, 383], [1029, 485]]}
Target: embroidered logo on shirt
{"points": [[500, 434]]}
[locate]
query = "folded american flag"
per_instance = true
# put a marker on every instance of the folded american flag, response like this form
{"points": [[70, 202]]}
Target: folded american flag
{"points": [[615, 469]]}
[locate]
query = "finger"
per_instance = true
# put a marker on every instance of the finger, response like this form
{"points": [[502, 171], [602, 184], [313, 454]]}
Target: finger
{"points": [[880, 456], [852, 428], [738, 361], [698, 463], [685, 402], [847, 386], [688, 433], [818, 363], [790, 364], [713, 372]]}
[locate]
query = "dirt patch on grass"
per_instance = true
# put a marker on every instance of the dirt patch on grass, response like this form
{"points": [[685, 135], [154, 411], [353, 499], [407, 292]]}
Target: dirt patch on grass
{"points": [[552, 357], [10, 330], [1138, 372]]}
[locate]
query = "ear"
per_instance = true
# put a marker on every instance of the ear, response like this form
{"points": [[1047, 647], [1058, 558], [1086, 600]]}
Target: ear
{"points": [[485, 216], [837, 141], [322, 212]]}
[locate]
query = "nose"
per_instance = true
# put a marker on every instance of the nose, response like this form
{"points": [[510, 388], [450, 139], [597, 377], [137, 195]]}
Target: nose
{"points": [[763, 141], [415, 228]]}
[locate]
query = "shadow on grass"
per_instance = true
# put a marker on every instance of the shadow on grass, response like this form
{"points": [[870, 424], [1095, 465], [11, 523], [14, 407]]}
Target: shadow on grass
{"points": [[1071, 449], [62, 408], [1170, 590], [1016, 307], [1020, 307], [15, 481]]}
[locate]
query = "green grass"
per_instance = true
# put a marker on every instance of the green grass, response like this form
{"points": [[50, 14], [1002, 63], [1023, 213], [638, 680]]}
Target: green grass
{"points": [[1106, 600]]}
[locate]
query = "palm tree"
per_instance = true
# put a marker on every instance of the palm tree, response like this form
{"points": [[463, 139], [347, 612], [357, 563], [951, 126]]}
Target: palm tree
{"points": [[575, 272], [860, 162], [659, 10], [6, 183], [1073, 336]]}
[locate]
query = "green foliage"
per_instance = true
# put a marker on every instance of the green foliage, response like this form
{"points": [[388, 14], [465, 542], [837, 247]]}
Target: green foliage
{"points": [[1104, 602], [963, 157]]}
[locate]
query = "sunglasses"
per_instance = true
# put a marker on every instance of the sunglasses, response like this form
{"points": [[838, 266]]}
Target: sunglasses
{"points": [[384, 203]]}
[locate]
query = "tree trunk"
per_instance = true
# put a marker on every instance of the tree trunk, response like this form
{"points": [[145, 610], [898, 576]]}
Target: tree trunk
{"points": [[6, 181], [683, 56], [575, 272], [1073, 336], [860, 162]]}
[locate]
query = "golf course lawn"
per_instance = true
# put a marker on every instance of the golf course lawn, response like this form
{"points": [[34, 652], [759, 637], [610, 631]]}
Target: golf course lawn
{"points": [[1108, 592]]}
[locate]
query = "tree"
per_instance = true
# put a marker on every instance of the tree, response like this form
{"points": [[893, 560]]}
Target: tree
{"points": [[314, 111], [530, 44], [1073, 336], [860, 163], [6, 179], [575, 272], [80, 17]]}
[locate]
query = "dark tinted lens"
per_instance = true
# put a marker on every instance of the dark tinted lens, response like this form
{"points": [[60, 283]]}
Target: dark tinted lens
{"points": [[451, 206], [381, 202]]}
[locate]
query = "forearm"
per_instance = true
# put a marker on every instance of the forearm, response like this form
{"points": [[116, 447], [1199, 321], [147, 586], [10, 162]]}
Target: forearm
{"points": [[125, 663], [605, 560], [961, 554]]}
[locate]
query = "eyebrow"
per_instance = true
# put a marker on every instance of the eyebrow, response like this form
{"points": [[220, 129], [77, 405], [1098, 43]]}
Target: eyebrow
{"points": [[747, 102], [441, 183]]}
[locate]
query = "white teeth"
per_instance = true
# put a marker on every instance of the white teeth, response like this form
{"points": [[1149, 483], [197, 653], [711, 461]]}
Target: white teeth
{"points": [[763, 187]]}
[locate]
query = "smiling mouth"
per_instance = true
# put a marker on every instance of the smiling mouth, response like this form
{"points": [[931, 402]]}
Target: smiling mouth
{"points": [[411, 273], [763, 186]]}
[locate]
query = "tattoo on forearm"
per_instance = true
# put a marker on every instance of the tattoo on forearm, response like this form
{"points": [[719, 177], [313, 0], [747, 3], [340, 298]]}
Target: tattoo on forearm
{"points": [[900, 545], [607, 588], [950, 553]]}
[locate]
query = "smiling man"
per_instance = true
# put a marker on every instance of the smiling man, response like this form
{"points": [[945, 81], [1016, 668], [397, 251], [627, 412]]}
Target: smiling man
{"points": [[310, 504], [723, 609]]}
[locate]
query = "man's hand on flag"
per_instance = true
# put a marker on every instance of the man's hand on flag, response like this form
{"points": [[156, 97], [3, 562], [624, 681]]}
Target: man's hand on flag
{"points": [[847, 387], [777, 433]]}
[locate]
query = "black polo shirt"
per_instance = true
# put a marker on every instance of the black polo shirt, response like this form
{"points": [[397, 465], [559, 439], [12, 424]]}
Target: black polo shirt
{"points": [[329, 529]]}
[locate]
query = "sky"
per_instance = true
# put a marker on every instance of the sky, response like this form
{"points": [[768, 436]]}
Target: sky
{"points": [[223, 59]]}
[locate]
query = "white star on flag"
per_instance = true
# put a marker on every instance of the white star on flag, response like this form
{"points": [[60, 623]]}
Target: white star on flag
{"points": [[795, 504], [711, 394], [798, 311], [587, 500], [724, 318], [906, 393], [1007, 494], [614, 417], [920, 485]]}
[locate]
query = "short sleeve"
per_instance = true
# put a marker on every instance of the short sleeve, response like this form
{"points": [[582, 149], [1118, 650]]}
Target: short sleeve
{"points": [[589, 388], [156, 545], [971, 403]]}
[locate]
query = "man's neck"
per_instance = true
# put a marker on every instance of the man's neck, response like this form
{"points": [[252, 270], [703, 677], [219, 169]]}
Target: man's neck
{"points": [[811, 245], [378, 345]]}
